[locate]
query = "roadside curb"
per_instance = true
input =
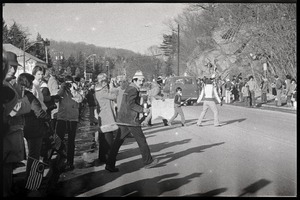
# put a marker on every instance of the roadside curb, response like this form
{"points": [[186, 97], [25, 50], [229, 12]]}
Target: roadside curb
{"points": [[269, 107]]}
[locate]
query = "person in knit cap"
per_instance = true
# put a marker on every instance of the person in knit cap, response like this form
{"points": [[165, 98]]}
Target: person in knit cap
{"points": [[209, 94], [106, 118], [129, 122]]}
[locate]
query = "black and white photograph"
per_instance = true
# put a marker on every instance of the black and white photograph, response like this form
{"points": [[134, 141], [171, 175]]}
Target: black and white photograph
{"points": [[149, 99]]}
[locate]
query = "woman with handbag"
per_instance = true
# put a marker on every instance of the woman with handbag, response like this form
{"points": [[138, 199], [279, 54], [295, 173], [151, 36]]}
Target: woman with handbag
{"points": [[105, 97]]}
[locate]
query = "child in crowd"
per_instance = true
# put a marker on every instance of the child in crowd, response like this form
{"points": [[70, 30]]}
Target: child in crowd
{"points": [[177, 107], [246, 95]]}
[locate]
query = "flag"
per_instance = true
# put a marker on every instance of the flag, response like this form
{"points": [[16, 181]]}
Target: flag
{"points": [[36, 175], [57, 141]]}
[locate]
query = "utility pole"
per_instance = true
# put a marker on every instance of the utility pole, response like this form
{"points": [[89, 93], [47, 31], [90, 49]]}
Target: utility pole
{"points": [[107, 67], [178, 51], [46, 43], [24, 46]]}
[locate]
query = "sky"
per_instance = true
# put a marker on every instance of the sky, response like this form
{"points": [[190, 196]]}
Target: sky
{"points": [[133, 26]]}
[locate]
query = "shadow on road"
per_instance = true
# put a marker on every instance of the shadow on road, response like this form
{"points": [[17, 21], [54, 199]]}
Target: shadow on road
{"points": [[150, 187], [164, 128], [94, 179], [253, 188], [154, 148], [171, 156], [232, 121], [209, 193]]}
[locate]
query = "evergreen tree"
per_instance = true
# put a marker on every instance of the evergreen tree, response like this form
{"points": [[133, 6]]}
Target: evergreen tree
{"points": [[77, 72], [38, 49], [80, 61], [16, 36], [68, 71], [5, 38], [71, 62]]}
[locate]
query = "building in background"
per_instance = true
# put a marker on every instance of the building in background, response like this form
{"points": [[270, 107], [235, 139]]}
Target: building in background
{"points": [[30, 60]]}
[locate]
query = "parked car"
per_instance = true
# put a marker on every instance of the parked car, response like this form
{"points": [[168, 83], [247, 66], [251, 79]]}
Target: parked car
{"points": [[190, 88]]}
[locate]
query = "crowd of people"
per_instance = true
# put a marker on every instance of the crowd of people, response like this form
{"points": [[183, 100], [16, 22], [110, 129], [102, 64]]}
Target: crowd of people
{"points": [[246, 90], [42, 111]]}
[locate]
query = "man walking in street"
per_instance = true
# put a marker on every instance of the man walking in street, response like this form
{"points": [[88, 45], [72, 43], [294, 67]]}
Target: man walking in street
{"points": [[128, 121], [209, 94]]}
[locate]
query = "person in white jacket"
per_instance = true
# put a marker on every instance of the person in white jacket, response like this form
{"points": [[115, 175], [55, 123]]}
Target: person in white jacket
{"points": [[209, 94]]}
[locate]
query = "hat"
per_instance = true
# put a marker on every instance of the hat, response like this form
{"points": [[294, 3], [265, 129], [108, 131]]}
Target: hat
{"points": [[138, 74], [12, 59]]}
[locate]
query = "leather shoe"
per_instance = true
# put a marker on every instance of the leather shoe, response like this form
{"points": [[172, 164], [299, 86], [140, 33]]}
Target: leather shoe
{"points": [[111, 169], [152, 164]]}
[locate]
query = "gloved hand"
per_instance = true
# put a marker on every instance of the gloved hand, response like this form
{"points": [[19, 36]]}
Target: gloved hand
{"points": [[55, 97]]}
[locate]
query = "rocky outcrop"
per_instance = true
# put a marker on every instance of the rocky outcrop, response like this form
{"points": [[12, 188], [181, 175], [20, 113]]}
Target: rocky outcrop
{"points": [[227, 57]]}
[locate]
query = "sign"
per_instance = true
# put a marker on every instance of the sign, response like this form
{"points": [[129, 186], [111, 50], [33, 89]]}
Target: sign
{"points": [[162, 109]]}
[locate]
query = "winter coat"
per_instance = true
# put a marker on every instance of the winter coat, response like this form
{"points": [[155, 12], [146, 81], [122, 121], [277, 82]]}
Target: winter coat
{"points": [[12, 137], [48, 100], [35, 119], [278, 84], [293, 87], [53, 85], [252, 85], [105, 98], [130, 107], [265, 87], [228, 85], [68, 108], [288, 87], [177, 100], [119, 97], [245, 91]]}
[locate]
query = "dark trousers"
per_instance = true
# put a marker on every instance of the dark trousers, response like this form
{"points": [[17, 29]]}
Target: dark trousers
{"points": [[252, 98], [7, 179], [177, 111], [69, 127], [263, 97], [34, 151], [105, 143], [120, 138], [247, 101]]}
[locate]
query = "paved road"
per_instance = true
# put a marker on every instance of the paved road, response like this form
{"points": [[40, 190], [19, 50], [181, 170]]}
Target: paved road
{"points": [[252, 154]]}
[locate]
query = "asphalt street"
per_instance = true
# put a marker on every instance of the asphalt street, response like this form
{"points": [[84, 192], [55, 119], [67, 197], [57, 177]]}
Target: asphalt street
{"points": [[253, 154]]}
